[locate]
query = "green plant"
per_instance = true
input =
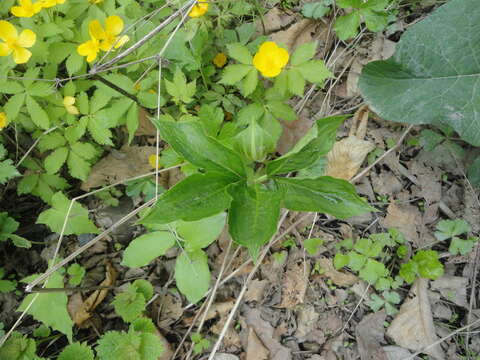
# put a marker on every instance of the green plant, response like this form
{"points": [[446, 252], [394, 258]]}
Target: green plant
{"points": [[7, 228], [425, 264], [7, 170], [76, 272], [130, 304], [201, 344], [316, 9], [6, 285], [391, 87], [452, 229]]}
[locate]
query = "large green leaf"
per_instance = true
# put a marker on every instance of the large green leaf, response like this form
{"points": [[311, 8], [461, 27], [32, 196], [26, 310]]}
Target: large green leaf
{"points": [[316, 143], [192, 274], [253, 216], [189, 140], [434, 74], [325, 194], [196, 197], [201, 233], [145, 248]]}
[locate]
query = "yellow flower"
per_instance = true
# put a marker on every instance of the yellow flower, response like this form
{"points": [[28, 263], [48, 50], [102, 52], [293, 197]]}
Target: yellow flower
{"points": [[109, 36], [220, 60], [270, 59], [13, 43], [3, 120], [95, 1], [26, 8], [68, 102], [198, 10], [51, 3], [89, 49], [152, 160]]}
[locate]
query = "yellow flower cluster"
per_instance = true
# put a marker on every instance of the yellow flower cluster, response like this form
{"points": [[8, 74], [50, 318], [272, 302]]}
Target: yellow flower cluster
{"points": [[270, 59], [16, 44], [3, 120], [69, 104], [27, 9], [152, 160], [198, 10], [103, 38]]}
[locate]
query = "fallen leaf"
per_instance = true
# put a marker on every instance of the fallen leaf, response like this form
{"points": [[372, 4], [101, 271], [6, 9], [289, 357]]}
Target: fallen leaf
{"points": [[145, 126], [405, 218], [452, 288], [274, 20], [396, 353], [216, 310], [294, 283], [255, 348], [413, 326], [265, 333], [370, 333], [307, 322], [352, 78], [301, 32], [292, 132], [169, 309], [256, 289], [347, 155], [79, 310], [338, 278], [167, 352], [129, 162]]}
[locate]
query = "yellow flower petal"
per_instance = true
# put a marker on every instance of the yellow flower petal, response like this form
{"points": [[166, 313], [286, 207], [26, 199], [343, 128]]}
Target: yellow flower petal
{"points": [[5, 50], [198, 10], [220, 60], [72, 110], [3, 120], [7, 31], [21, 55], [270, 59], [95, 29], [114, 25], [89, 49], [27, 38], [152, 160]]}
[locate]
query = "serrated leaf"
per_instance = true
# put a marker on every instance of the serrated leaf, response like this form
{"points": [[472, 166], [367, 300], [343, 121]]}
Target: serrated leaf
{"points": [[374, 20], [346, 26], [41, 89], [340, 260], [7, 226], [74, 63], [78, 221], [296, 82], [77, 166], [188, 139], [240, 53], [18, 347], [372, 271], [41, 309], [55, 160], [37, 114], [7, 171], [316, 10], [253, 216], [13, 105], [76, 351], [101, 134], [397, 89], [281, 110], [211, 118], [116, 345], [312, 245], [145, 248], [76, 272], [303, 53], [129, 304], [51, 141], [449, 228], [460, 246], [196, 197], [85, 150], [315, 71], [250, 82], [325, 195], [192, 275], [234, 73]]}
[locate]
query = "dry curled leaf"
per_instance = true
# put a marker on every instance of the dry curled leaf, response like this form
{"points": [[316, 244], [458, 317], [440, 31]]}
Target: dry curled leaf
{"points": [[337, 277], [79, 310], [413, 326], [347, 155], [294, 283]]}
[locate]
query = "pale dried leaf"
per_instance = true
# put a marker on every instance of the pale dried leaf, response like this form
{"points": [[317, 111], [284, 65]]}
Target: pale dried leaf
{"points": [[396, 353], [413, 326], [145, 126], [338, 278], [294, 284], [274, 20], [216, 310], [405, 218], [292, 132], [167, 352], [299, 33], [256, 290], [255, 348], [452, 288], [370, 333], [129, 162]]}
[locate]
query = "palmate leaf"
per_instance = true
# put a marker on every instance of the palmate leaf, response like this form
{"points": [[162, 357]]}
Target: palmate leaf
{"points": [[325, 194], [434, 74]]}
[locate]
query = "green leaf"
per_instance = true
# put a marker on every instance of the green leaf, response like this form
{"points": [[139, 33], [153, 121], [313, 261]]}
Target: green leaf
{"points": [[41, 309], [55, 160], [316, 10], [192, 275], [234, 73], [253, 216], [428, 264], [201, 233], [18, 347], [281, 110], [7, 171], [179, 88], [303, 53], [447, 229], [212, 118], [372, 271], [132, 121], [74, 63], [392, 88], [250, 82], [189, 140], [253, 142], [13, 105], [322, 139], [7, 226], [76, 272], [116, 345], [37, 114], [145, 248], [369, 248], [100, 133], [76, 351], [51, 141], [356, 261], [375, 21], [340, 260], [474, 172], [196, 197], [315, 71], [77, 166], [129, 304], [78, 221], [346, 26], [460, 247], [19, 241], [312, 245], [325, 195], [240, 53], [296, 81]]}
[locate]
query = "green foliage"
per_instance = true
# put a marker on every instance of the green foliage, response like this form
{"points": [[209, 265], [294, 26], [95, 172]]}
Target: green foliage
{"points": [[474, 173], [78, 221], [130, 304], [76, 351], [6, 285], [391, 87], [452, 229], [201, 344], [7, 170], [372, 12], [145, 248], [312, 245], [131, 345], [41, 308], [192, 274], [76, 272], [316, 9], [7, 228], [424, 263], [19, 347]]}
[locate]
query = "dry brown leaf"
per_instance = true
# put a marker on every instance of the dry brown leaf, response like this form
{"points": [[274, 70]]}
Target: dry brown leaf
{"points": [[145, 126], [338, 278], [216, 310], [301, 32], [347, 155], [295, 282], [292, 132], [255, 348], [274, 20], [452, 288], [256, 290], [413, 326], [405, 218], [79, 310], [169, 309], [370, 333], [129, 162], [167, 352]]}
